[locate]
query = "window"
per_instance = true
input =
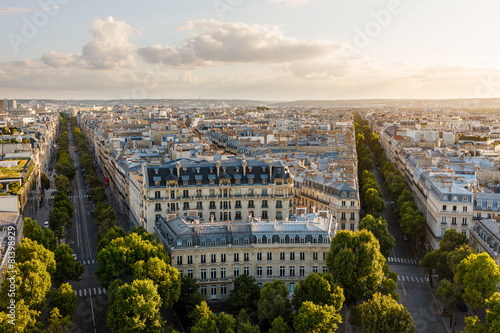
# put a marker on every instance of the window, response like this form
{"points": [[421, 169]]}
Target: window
{"points": [[478, 215], [269, 270], [185, 205], [325, 269], [190, 259], [302, 271], [259, 256], [292, 270], [158, 207], [236, 257], [237, 204], [464, 232], [465, 208], [190, 273], [264, 204], [343, 203], [443, 220], [279, 215], [172, 194], [342, 226], [199, 205], [246, 256], [454, 208], [179, 260], [453, 221], [444, 207], [203, 258], [282, 255], [324, 255], [185, 193], [353, 216], [236, 272], [442, 231], [282, 270], [203, 290], [223, 257], [246, 270], [315, 269], [279, 204], [351, 227], [213, 273], [251, 204], [157, 195], [269, 256], [259, 285], [203, 274], [264, 191], [292, 255], [342, 216], [315, 255], [291, 288], [464, 221], [213, 290], [212, 205], [237, 215], [222, 273], [264, 215], [259, 270], [213, 258], [352, 203]]}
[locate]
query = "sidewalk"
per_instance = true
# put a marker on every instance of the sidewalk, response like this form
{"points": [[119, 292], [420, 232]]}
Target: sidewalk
{"points": [[459, 317]]}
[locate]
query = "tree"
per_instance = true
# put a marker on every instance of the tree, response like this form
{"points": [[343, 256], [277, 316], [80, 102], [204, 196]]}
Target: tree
{"points": [[25, 320], [374, 204], [114, 233], [412, 223], [205, 320], [32, 283], [382, 314], [474, 325], [58, 323], [67, 269], [405, 196], [479, 275], [279, 326], [450, 294], [64, 300], [319, 289], [189, 298], [135, 307], [355, 262], [316, 318], [62, 183], [45, 181], [245, 295], [59, 221], [452, 240], [28, 250], [274, 302], [165, 277], [98, 194], [378, 226], [117, 259], [33, 231]]}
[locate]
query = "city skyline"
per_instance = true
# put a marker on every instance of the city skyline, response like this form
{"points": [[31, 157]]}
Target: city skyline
{"points": [[267, 50]]}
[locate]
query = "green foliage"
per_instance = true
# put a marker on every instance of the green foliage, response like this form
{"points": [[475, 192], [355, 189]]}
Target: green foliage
{"points": [[62, 183], [29, 250], [26, 319], [98, 194], [245, 295], [67, 269], [45, 181], [319, 289], [64, 299], [316, 318], [355, 262], [59, 222], [374, 204], [135, 307], [113, 233], [274, 302], [33, 231], [164, 276], [452, 240], [189, 298], [492, 324], [58, 323], [382, 314], [479, 275], [378, 226], [117, 259], [279, 326]]}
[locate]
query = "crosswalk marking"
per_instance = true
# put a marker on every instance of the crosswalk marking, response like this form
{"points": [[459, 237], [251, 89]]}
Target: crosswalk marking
{"points": [[89, 262], [84, 292], [95, 292], [411, 279], [403, 260], [90, 292]]}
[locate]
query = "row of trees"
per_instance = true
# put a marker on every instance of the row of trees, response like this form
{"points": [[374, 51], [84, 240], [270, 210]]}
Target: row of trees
{"points": [[136, 270], [97, 191], [64, 165], [464, 276], [40, 275]]}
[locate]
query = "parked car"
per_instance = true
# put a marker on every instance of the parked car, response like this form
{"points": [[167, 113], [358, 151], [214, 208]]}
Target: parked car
{"points": [[74, 256], [45, 224]]}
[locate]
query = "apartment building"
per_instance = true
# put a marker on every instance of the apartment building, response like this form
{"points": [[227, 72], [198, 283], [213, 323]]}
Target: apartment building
{"points": [[217, 190], [217, 253]]}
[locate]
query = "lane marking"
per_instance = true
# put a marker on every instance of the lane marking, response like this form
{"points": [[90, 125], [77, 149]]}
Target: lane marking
{"points": [[84, 292]]}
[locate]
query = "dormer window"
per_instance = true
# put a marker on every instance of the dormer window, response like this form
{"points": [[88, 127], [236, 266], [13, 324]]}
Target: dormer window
{"points": [[156, 171], [343, 194]]}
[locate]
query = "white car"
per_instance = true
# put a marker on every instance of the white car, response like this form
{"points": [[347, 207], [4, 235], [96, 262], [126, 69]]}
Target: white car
{"points": [[74, 256], [45, 224]]}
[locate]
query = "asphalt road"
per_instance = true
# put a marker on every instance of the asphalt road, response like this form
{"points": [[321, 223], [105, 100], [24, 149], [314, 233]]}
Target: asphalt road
{"points": [[415, 292]]}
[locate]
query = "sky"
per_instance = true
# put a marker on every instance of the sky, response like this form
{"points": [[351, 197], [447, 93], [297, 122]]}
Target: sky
{"points": [[275, 50]]}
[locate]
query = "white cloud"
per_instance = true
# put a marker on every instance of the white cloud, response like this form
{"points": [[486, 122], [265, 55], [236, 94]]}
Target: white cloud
{"points": [[109, 48], [220, 42], [292, 3], [12, 10]]}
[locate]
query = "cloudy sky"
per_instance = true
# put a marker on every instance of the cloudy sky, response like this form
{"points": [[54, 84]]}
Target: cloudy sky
{"points": [[249, 49]]}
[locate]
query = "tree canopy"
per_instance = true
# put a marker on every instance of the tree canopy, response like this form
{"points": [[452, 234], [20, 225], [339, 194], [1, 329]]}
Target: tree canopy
{"points": [[382, 314]]}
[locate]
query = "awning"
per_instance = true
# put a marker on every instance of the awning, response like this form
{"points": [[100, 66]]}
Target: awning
{"points": [[185, 177], [198, 177], [250, 176]]}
